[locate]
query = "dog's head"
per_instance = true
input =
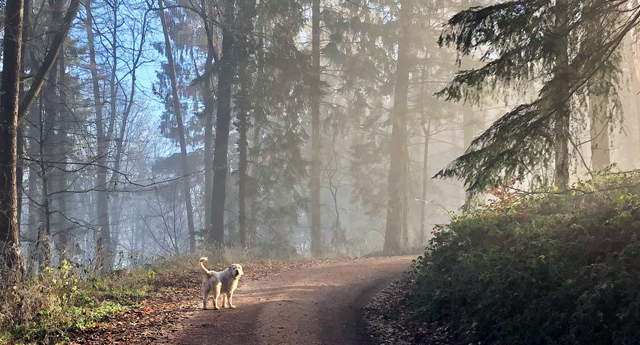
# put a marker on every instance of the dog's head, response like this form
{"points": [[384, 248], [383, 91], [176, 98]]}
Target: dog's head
{"points": [[236, 271]]}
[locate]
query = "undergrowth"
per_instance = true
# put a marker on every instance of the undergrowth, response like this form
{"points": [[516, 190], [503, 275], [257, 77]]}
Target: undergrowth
{"points": [[45, 309], [547, 268]]}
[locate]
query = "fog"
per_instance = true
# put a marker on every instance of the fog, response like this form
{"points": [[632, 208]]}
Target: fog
{"points": [[277, 127]]}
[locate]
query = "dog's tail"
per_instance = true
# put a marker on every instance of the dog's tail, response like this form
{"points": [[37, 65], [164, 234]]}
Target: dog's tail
{"points": [[204, 269]]}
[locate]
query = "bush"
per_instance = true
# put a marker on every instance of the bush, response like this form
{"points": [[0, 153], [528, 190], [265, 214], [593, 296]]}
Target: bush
{"points": [[547, 268], [44, 309]]}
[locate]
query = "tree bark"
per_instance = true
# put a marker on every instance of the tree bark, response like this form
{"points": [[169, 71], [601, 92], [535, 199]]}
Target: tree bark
{"points": [[9, 97], [600, 150], [49, 143], [62, 140], [177, 108], [212, 57], [104, 256], [561, 103], [314, 176], [112, 246], [245, 51], [21, 127], [426, 129], [221, 147], [398, 174]]}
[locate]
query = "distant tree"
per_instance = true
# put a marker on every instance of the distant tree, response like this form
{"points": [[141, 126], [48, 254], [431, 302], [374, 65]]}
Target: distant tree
{"points": [[315, 169], [399, 165], [177, 109], [223, 122]]}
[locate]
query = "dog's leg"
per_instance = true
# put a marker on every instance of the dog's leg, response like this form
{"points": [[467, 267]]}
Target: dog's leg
{"points": [[205, 294], [231, 300], [225, 300], [216, 294]]}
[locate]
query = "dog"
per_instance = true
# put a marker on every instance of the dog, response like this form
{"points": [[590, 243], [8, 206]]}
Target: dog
{"points": [[224, 282]]}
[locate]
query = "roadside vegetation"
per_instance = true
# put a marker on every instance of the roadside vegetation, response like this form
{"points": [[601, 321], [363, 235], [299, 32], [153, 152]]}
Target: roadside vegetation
{"points": [[70, 300], [531, 268]]}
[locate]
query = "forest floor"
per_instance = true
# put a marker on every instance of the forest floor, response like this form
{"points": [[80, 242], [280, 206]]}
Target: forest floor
{"points": [[306, 302], [392, 321]]}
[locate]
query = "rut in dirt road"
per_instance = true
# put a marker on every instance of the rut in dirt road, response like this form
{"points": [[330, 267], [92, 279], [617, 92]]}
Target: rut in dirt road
{"points": [[321, 304]]}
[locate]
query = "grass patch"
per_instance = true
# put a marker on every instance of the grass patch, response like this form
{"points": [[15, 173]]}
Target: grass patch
{"points": [[45, 309], [539, 268]]}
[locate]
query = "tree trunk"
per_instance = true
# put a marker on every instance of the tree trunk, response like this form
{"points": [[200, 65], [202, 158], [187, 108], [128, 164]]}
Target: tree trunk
{"points": [[253, 199], [398, 174], [600, 151], [208, 149], [104, 256], [561, 103], [426, 129], [183, 144], [245, 51], [314, 180], [259, 117], [35, 213], [21, 127], [49, 149], [62, 140], [112, 246], [212, 57], [9, 98], [221, 148]]}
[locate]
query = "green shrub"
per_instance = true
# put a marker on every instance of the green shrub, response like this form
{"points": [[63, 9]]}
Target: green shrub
{"points": [[540, 268]]}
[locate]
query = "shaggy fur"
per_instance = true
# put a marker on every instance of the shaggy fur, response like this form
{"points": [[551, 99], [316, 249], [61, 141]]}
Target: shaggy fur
{"points": [[223, 282]]}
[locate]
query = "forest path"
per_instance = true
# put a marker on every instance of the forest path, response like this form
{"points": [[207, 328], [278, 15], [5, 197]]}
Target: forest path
{"points": [[321, 304]]}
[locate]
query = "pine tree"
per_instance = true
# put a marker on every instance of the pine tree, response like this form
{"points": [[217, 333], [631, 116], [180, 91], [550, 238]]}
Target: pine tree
{"points": [[524, 42]]}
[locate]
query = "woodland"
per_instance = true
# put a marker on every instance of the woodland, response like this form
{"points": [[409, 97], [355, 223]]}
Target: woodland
{"points": [[498, 139]]}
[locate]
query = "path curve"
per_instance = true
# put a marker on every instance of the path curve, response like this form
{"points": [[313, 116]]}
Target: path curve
{"points": [[321, 304]]}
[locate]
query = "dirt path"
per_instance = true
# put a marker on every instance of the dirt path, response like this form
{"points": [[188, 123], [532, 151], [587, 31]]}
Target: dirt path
{"points": [[321, 304]]}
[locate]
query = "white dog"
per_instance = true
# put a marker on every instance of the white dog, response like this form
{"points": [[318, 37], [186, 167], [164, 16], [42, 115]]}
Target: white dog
{"points": [[224, 281]]}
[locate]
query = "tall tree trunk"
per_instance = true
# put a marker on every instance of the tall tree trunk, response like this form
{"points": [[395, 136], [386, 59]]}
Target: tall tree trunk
{"points": [[221, 148], [208, 156], [112, 246], [245, 51], [561, 103], [259, 117], [20, 172], [398, 174], [47, 118], [9, 98], [21, 126], [212, 57], [104, 257], [600, 151], [35, 212], [314, 180], [426, 129], [49, 150], [63, 148], [208, 144], [183, 144], [30, 129]]}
